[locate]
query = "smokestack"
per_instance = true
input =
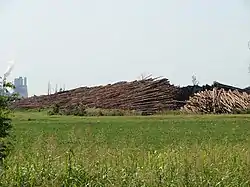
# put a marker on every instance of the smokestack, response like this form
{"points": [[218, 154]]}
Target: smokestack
{"points": [[25, 81], [49, 88]]}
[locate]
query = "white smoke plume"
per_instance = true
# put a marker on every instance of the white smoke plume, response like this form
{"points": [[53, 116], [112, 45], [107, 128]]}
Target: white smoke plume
{"points": [[9, 69]]}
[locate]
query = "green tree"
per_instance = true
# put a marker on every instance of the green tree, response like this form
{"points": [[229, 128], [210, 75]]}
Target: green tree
{"points": [[5, 121]]}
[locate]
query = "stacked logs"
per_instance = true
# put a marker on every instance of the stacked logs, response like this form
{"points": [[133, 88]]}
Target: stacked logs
{"points": [[147, 96], [218, 101]]}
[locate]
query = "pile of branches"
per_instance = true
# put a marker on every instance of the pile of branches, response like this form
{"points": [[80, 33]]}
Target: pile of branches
{"points": [[146, 96], [218, 101]]}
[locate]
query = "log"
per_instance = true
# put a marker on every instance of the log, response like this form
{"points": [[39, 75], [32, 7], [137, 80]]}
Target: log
{"points": [[217, 101], [150, 95]]}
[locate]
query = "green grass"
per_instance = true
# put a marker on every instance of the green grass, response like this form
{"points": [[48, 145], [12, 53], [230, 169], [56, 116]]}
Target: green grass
{"points": [[172, 150]]}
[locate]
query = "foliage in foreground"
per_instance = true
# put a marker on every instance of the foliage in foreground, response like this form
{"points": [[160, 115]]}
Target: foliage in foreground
{"points": [[5, 120], [92, 166], [129, 151]]}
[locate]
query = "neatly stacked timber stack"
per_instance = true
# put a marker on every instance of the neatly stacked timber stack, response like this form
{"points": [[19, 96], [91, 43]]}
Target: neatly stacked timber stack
{"points": [[218, 101], [148, 96]]}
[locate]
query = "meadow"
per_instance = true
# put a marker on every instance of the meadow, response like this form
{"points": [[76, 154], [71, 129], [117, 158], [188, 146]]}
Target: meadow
{"points": [[164, 150]]}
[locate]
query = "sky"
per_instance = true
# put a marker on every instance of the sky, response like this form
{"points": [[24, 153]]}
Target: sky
{"points": [[97, 42]]}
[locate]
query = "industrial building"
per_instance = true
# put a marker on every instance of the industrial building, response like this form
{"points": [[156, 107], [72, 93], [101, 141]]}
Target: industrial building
{"points": [[21, 87]]}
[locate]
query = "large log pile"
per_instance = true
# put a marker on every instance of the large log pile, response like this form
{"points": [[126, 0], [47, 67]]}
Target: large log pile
{"points": [[187, 91], [228, 87], [218, 101], [148, 96]]}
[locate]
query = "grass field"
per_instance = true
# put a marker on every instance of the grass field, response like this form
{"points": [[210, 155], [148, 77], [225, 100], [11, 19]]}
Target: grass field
{"points": [[174, 150]]}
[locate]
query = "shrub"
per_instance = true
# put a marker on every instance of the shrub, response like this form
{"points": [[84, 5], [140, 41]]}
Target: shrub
{"points": [[108, 112], [5, 120], [247, 111], [80, 110], [55, 110]]}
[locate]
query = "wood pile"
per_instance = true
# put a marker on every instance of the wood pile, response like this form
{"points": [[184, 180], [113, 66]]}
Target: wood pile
{"points": [[228, 87], [187, 91], [148, 96], [218, 101]]}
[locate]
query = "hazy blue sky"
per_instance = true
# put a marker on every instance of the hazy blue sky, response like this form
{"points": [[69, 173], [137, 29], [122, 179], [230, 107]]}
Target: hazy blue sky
{"points": [[93, 42]]}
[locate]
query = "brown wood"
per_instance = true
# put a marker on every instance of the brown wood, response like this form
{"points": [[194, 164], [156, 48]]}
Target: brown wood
{"points": [[149, 95], [217, 101]]}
